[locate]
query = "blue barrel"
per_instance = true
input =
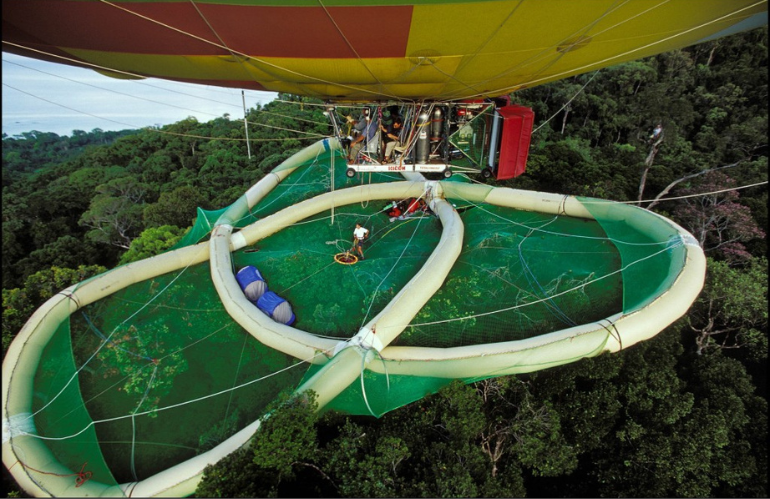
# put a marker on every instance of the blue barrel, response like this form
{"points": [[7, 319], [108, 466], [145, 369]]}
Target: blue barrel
{"points": [[251, 282], [276, 307]]}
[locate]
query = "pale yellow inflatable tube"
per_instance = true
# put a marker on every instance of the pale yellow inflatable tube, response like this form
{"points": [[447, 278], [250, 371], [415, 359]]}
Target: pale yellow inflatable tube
{"points": [[241, 206], [556, 348], [286, 339], [23, 356], [300, 211], [347, 365], [299, 344], [560, 347]]}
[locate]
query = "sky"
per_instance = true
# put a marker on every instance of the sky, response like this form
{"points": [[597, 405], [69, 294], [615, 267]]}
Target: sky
{"points": [[57, 98]]}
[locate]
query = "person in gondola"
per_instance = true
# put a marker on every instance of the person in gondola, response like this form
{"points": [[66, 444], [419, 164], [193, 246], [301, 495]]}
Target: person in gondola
{"points": [[391, 137], [367, 132]]}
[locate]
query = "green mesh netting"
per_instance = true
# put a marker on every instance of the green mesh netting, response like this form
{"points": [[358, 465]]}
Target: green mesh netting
{"points": [[647, 260], [381, 393], [311, 178], [201, 230], [335, 299], [168, 374], [59, 413], [520, 274]]}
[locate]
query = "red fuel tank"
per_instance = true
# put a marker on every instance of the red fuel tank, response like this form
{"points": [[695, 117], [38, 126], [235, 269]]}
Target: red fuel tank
{"points": [[514, 144]]}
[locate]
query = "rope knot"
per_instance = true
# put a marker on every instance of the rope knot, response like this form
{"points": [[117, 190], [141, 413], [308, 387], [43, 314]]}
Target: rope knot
{"points": [[83, 476]]}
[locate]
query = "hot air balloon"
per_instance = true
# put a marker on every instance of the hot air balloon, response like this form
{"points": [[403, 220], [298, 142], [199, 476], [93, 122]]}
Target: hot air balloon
{"points": [[132, 382], [360, 51]]}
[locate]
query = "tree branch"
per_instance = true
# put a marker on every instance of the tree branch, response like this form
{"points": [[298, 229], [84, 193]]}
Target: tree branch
{"points": [[319, 470], [687, 177], [648, 164]]}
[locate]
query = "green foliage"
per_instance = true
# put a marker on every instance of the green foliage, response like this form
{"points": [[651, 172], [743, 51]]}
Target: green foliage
{"points": [[32, 150], [177, 207], [152, 241], [104, 188], [286, 439], [148, 366], [287, 435], [706, 97], [114, 217], [217, 433], [655, 421], [234, 476], [365, 467], [731, 311], [65, 251], [651, 420]]}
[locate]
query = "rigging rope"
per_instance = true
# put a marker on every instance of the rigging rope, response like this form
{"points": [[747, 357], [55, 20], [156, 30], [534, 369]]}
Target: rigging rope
{"points": [[561, 234], [238, 54], [165, 132], [101, 335], [235, 139], [309, 276], [306, 170], [546, 52], [684, 197], [133, 423], [530, 275], [567, 103], [234, 56], [387, 381], [408, 243], [235, 380], [616, 334], [82, 476], [353, 49]]}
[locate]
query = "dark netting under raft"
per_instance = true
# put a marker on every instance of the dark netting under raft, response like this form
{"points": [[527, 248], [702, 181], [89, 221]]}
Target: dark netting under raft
{"points": [[520, 274], [165, 373]]}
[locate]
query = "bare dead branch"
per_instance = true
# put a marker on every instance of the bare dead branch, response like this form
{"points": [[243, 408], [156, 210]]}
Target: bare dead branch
{"points": [[670, 186], [319, 470]]}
